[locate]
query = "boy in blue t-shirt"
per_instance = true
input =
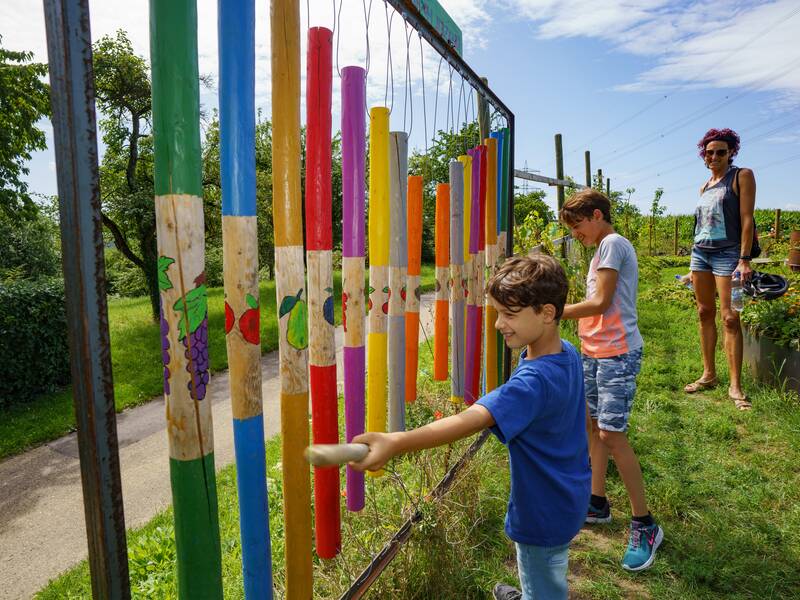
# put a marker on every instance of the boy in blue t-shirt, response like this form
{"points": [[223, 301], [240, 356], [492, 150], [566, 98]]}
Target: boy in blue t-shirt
{"points": [[539, 414]]}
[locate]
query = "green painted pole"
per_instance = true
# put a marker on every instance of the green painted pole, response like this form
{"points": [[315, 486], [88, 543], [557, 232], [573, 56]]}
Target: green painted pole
{"points": [[184, 306]]}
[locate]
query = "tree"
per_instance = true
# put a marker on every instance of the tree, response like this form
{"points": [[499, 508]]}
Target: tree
{"points": [[435, 168], [24, 100], [525, 204]]}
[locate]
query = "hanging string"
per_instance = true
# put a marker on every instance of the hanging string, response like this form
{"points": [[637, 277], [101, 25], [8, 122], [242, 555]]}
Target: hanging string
{"points": [[339, 19], [474, 118], [451, 104], [449, 108], [390, 70], [367, 16], [436, 98], [407, 90], [424, 107], [462, 129]]}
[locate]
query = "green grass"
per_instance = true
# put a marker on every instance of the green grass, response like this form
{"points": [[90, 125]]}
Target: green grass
{"points": [[724, 485], [136, 363]]}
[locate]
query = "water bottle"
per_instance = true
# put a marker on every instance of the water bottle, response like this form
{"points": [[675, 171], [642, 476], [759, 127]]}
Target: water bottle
{"points": [[736, 292], [687, 283]]}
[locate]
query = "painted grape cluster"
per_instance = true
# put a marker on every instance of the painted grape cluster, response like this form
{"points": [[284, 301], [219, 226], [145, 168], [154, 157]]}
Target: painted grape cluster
{"points": [[196, 353], [165, 349]]}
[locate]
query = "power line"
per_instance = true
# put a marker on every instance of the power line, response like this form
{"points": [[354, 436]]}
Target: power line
{"points": [[657, 136], [686, 84]]}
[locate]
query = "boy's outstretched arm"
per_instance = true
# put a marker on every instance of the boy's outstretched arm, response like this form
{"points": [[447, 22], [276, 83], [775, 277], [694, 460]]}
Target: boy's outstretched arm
{"points": [[599, 303], [383, 446]]}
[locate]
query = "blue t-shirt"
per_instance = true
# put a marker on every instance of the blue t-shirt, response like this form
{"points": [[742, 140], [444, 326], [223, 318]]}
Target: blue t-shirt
{"points": [[540, 415]]}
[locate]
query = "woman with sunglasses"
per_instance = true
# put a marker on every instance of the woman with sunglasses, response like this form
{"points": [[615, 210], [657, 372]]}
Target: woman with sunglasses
{"points": [[723, 240]]}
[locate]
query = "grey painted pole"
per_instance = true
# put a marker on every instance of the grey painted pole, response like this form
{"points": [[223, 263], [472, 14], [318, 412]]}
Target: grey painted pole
{"points": [[69, 47]]}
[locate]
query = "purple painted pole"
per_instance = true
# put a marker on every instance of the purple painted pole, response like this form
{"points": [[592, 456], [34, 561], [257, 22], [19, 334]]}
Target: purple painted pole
{"points": [[472, 352], [353, 159]]}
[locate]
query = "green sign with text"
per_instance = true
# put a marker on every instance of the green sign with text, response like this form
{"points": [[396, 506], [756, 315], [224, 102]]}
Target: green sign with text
{"points": [[441, 22]]}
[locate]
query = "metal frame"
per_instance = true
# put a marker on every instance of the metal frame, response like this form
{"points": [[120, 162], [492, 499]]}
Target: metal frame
{"points": [[69, 47]]}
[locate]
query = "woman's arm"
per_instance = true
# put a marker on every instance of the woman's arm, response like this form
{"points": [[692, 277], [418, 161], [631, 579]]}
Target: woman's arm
{"points": [[383, 446], [599, 303], [747, 202]]}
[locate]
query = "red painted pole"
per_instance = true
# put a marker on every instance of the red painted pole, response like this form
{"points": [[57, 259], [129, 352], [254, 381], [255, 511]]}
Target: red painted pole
{"points": [[319, 243], [414, 224]]}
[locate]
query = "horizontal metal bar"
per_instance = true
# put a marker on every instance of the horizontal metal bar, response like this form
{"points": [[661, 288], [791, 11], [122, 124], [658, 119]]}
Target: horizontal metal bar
{"points": [[548, 180], [414, 18]]}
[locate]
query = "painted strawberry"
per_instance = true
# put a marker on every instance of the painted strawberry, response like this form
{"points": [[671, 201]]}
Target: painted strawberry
{"points": [[249, 322], [385, 306], [230, 318], [403, 293]]}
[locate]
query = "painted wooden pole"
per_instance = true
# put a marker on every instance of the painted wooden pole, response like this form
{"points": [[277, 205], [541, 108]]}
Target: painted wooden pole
{"points": [[236, 37], [319, 245], [378, 304], [181, 279], [442, 246], [413, 292], [472, 351], [291, 295], [501, 249], [490, 363], [463, 245], [480, 296], [608, 187], [587, 159], [353, 153], [398, 267], [456, 169], [502, 234]]}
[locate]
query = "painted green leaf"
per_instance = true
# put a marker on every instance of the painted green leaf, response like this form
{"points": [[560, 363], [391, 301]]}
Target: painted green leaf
{"points": [[163, 279], [251, 301], [196, 306], [287, 304]]}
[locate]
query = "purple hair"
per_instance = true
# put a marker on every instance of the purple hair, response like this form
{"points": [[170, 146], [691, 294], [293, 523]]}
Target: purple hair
{"points": [[729, 136]]}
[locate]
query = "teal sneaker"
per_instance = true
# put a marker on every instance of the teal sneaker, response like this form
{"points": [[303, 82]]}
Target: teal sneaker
{"points": [[643, 542]]}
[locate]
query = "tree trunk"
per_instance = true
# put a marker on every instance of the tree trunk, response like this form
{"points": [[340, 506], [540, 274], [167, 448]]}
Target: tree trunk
{"points": [[150, 269]]}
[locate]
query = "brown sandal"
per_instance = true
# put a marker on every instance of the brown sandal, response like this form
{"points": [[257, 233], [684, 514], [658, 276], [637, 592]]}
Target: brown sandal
{"points": [[741, 403], [700, 385]]}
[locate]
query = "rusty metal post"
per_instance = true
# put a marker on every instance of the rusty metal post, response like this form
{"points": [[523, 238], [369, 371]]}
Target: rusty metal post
{"points": [[69, 47]]}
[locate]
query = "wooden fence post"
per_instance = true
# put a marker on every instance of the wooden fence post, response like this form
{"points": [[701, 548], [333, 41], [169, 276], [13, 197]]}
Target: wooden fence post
{"points": [[777, 224], [587, 159], [677, 219], [559, 170]]}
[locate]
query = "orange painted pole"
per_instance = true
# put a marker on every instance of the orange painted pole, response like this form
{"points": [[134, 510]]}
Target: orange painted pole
{"points": [[442, 245], [290, 287], [414, 209]]}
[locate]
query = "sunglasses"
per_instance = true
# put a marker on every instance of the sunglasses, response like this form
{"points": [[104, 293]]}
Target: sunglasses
{"points": [[720, 152]]}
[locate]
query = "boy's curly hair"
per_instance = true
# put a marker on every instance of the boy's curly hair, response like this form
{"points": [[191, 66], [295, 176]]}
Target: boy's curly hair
{"points": [[533, 280]]}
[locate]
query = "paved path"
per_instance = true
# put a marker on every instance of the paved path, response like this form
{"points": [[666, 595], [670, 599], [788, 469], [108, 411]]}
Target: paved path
{"points": [[42, 527]]}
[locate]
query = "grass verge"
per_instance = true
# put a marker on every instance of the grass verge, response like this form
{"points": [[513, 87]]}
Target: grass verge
{"points": [[724, 485]]}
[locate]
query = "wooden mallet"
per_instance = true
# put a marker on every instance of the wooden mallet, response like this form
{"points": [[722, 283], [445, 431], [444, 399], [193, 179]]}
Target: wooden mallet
{"points": [[326, 455]]}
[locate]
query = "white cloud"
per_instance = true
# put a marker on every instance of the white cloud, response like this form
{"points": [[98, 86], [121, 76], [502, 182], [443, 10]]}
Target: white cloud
{"points": [[728, 43]]}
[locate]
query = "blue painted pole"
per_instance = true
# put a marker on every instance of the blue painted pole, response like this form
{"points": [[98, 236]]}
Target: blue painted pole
{"points": [[240, 266]]}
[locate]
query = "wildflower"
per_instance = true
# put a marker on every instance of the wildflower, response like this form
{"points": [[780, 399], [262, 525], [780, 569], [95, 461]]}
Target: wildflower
{"points": [[438, 415]]}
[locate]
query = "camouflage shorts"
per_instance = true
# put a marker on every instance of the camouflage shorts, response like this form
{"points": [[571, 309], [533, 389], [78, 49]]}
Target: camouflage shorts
{"points": [[610, 387]]}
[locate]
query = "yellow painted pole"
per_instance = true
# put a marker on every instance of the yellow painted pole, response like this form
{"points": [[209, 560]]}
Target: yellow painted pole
{"points": [[291, 295], [378, 305]]}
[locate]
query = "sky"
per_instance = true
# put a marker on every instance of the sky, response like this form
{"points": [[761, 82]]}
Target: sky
{"points": [[635, 82]]}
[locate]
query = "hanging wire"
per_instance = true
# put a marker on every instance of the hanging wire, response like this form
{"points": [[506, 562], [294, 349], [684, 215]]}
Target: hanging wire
{"points": [[436, 100], [473, 112], [339, 19], [390, 70], [367, 16], [407, 90], [462, 129], [424, 107], [449, 108]]}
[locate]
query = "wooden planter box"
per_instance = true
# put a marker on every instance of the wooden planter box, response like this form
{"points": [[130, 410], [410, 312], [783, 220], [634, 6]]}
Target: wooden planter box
{"points": [[770, 363]]}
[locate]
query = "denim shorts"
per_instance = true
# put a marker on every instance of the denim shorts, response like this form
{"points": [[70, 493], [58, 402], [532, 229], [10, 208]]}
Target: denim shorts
{"points": [[543, 571], [610, 387], [721, 263]]}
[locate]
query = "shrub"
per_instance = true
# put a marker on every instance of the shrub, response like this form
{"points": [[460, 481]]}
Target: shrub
{"points": [[778, 319], [123, 278], [33, 338]]}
